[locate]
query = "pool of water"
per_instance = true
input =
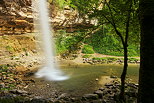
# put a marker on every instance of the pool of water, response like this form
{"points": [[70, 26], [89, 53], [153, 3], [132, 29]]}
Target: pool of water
{"points": [[87, 79]]}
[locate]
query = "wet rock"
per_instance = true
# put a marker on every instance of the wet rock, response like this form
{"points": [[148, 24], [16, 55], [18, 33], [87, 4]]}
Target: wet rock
{"points": [[109, 101], [34, 51], [108, 84], [29, 80], [97, 101], [132, 85], [4, 73], [15, 91], [28, 74], [96, 79], [137, 85], [63, 96], [116, 96], [101, 89], [131, 94], [112, 76], [75, 100], [99, 93], [2, 85], [48, 85], [58, 101], [107, 91], [38, 100], [90, 96]]}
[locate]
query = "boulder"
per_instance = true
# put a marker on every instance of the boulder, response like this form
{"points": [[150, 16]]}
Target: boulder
{"points": [[101, 89], [99, 93], [40, 100], [97, 101], [90, 96], [16, 91], [63, 96]]}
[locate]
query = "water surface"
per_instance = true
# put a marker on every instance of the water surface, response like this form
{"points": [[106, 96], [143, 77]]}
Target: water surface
{"points": [[87, 79]]}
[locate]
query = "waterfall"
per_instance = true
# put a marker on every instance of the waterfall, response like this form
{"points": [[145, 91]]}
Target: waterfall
{"points": [[51, 69]]}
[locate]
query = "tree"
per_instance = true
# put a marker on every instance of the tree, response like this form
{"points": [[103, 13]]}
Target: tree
{"points": [[146, 74], [121, 15]]}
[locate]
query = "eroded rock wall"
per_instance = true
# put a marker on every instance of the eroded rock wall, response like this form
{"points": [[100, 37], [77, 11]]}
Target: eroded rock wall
{"points": [[16, 17]]}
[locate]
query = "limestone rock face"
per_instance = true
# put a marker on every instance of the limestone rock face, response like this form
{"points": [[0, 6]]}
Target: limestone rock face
{"points": [[16, 16]]}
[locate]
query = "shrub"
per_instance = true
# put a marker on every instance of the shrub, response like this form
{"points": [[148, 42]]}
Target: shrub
{"points": [[103, 58], [133, 59], [86, 56], [111, 58], [87, 49]]}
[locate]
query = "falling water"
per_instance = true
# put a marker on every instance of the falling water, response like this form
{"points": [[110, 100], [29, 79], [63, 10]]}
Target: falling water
{"points": [[51, 70]]}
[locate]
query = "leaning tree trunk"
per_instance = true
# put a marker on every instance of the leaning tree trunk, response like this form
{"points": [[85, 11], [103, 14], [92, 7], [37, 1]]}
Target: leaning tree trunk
{"points": [[146, 74]]}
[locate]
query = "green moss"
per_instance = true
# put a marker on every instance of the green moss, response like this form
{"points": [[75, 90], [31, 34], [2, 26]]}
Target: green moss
{"points": [[9, 48]]}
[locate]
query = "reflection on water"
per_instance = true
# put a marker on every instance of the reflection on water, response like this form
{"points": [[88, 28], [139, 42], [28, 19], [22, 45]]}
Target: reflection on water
{"points": [[87, 79]]}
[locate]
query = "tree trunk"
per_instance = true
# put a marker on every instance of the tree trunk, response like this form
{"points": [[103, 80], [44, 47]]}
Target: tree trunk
{"points": [[123, 75], [146, 74]]}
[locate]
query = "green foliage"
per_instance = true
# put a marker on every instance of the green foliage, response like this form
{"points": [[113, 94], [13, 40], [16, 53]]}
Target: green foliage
{"points": [[67, 41], [102, 59], [87, 49], [86, 56], [84, 6], [105, 58], [133, 50], [104, 41], [112, 16], [133, 59], [112, 58], [59, 3]]}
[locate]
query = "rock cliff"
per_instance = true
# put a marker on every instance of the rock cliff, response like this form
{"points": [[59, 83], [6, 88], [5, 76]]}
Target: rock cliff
{"points": [[16, 17]]}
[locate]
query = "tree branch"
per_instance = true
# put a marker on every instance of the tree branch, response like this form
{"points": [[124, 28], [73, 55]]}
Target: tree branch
{"points": [[127, 23], [113, 23], [110, 12]]}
